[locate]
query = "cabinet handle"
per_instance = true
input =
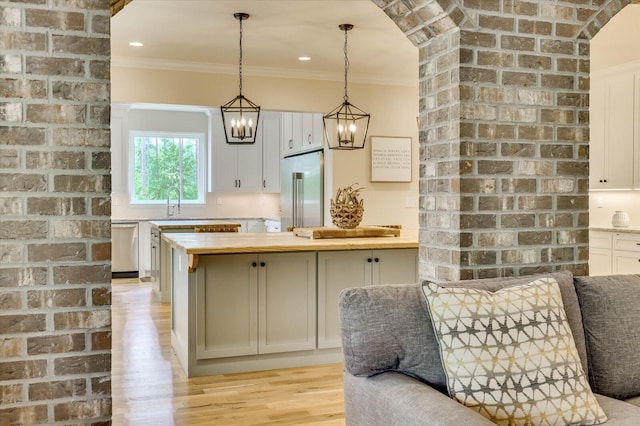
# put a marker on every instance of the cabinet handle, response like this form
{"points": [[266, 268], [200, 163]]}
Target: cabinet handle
{"points": [[239, 183], [369, 260], [254, 264], [376, 260], [264, 183], [290, 143], [263, 264], [309, 138]]}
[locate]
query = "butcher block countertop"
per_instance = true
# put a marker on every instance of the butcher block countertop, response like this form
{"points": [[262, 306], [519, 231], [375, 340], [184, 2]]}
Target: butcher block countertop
{"points": [[267, 242], [190, 224]]}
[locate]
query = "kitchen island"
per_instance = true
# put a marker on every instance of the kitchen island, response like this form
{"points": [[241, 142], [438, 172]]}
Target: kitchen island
{"points": [[249, 302], [161, 252]]}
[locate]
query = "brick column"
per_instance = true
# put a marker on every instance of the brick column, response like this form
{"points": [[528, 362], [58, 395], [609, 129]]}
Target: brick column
{"points": [[55, 340], [504, 162]]}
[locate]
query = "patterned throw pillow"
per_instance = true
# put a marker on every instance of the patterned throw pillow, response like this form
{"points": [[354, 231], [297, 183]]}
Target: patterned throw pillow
{"points": [[510, 355]]}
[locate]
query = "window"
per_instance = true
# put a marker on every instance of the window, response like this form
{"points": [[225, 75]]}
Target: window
{"points": [[167, 165]]}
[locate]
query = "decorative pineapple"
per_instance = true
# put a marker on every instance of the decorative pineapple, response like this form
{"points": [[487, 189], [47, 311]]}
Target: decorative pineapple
{"points": [[347, 209]]}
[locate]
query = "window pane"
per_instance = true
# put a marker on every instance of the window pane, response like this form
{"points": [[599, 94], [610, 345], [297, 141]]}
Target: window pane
{"points": [[189, 169], [165, 167]]}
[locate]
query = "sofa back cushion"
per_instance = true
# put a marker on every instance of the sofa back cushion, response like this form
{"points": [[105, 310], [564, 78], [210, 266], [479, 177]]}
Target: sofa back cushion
{"points": [[611, 316], [387, 328]]}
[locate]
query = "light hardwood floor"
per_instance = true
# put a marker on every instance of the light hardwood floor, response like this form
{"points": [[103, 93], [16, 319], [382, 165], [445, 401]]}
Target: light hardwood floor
{"points": [[150, 388]]}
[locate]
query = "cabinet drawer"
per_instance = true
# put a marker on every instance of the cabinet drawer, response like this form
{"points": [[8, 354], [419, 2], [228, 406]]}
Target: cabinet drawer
{"points": [[600, 239], [628, 242]]}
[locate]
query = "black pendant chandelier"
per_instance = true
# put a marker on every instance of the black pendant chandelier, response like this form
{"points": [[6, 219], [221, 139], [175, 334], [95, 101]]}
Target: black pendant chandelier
{"points": [[240, 115], [346, 126]]}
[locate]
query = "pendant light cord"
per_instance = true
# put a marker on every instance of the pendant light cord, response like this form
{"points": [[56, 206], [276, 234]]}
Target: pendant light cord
{"points": [[240, 66], [346, 66]]}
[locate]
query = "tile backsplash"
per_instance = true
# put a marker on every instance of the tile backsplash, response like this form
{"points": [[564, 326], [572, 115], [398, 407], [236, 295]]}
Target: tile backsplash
{"points": [[603, 204]]}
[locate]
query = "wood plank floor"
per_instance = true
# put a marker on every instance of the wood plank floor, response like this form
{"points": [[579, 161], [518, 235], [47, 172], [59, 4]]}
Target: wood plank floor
{"points": [[150, 388]]}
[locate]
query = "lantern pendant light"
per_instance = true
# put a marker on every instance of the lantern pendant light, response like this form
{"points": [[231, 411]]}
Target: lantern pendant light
{"points": [[346, 126], [240, 115]]}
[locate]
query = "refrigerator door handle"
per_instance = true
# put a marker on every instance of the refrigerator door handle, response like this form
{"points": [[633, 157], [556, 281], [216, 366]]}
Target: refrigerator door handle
{"points": [[297, 180]]}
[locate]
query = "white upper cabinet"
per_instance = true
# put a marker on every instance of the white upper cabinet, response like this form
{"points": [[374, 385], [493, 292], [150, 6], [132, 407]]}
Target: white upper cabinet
{"points": [[301, 132], [271, 137], [613, 135], [251, 167]]}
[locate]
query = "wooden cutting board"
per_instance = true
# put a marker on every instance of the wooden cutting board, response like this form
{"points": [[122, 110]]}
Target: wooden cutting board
{"points": [[359, 232]]}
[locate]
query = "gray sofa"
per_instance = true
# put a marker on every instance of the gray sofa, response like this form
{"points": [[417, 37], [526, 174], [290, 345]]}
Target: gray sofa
{"points": [[393, 371]]}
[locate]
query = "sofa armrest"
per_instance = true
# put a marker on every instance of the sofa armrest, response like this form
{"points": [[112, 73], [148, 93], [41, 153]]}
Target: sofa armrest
{"points": [[396, 399]]}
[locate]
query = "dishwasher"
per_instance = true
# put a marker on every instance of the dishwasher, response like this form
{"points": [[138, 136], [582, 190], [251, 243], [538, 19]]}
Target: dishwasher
{"points": [[124, 250]]}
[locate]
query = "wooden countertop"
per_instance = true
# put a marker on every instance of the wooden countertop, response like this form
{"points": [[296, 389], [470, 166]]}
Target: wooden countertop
{"points": [[191, 223], [266, 242]]}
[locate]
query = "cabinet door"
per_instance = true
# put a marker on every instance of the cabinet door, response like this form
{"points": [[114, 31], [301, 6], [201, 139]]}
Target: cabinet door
{"points": [[154, 267], [291, 133], [626, 262], [227, 306], [601, 239], [249, 165], [271, 152], [620, 132], [144, 246], [225, 169], [597, 132], [312, 135], [599, 261], [287, 302], [337, 270], [395, 266]]}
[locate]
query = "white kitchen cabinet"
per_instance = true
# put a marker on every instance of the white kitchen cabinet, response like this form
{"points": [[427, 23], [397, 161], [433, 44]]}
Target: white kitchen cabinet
{"points": [[144, 254], [626, 253], [338, 270], [612, 131], [255, 304], [237, 168], [154, 261], [253, 167], [250, 225], [301, 132], [312, 132], [291, 137], [271, 136], [600, 256]]}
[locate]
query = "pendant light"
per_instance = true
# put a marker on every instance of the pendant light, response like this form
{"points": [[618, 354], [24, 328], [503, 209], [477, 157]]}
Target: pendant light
{"points": [[346, 126], [240, 115]]}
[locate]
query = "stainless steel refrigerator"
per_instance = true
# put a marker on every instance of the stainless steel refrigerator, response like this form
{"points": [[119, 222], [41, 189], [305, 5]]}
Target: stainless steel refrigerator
{"points": [[302, 190]]}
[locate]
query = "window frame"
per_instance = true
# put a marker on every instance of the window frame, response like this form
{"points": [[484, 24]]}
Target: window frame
{"points": [[201, 161]]}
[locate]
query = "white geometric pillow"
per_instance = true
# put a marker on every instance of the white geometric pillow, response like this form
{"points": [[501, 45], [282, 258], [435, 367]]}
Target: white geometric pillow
{"points": [[510, 354]]}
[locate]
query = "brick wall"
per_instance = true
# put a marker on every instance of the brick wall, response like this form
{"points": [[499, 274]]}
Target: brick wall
{"points": [[55, 334], [504, 133]]}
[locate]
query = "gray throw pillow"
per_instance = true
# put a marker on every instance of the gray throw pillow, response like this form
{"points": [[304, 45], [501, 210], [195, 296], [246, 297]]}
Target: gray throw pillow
{"points": [[510, 355], [611, 317]]}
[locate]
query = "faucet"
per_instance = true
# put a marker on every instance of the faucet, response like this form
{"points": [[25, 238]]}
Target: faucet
{"points": [[171, 207]]}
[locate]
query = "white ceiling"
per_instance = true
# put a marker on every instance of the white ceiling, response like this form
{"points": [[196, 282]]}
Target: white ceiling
{"points": [[619, 41], [204, 35]]}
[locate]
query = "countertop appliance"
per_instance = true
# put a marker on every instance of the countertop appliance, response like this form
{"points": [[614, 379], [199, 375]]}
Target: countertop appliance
{"points": [[124, 250], [302, 189]]}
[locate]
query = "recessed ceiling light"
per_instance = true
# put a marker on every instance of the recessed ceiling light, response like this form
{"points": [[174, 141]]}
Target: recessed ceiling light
{"points": [[304, 58], [136, 44]]}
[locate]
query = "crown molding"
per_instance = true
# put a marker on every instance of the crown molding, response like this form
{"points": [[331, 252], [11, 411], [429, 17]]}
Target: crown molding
{"points": [[617, 69], [203, 67]]}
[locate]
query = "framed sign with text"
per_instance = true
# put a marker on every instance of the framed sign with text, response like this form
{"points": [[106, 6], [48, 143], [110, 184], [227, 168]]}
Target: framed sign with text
{"points": [[390, 159]]}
